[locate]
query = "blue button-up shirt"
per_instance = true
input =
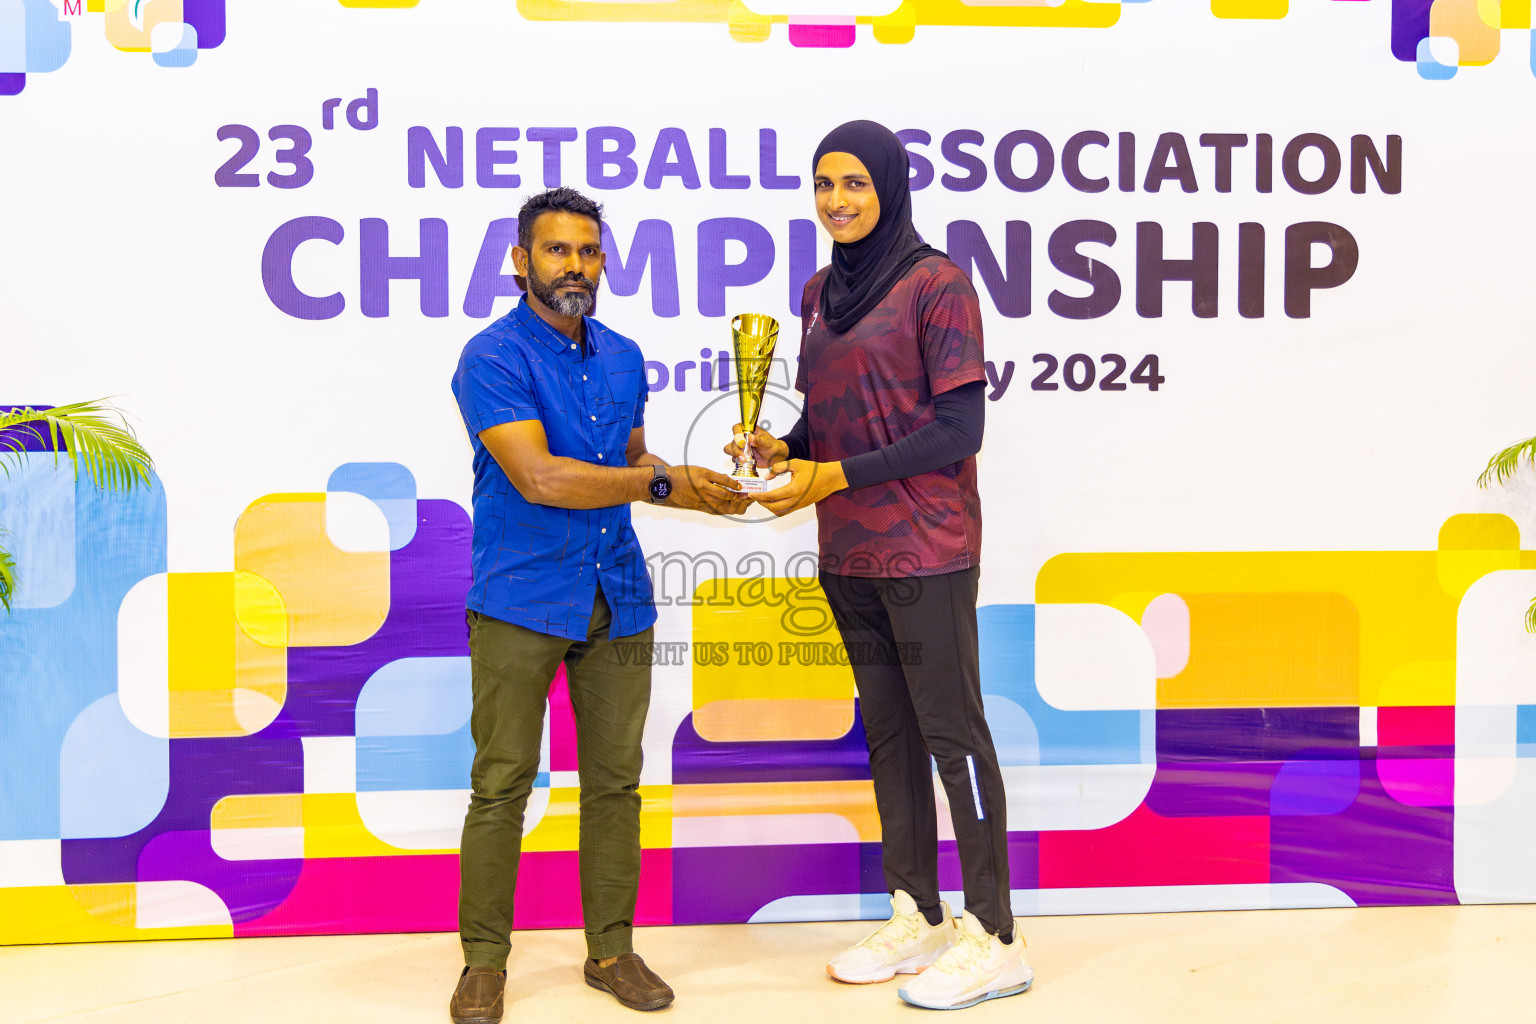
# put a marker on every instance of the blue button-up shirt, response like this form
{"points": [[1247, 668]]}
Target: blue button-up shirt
{"points": [[535, 565]]}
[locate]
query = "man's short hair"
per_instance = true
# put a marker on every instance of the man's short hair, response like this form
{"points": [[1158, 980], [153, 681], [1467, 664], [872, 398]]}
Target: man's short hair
{"points": [[557, 200]]}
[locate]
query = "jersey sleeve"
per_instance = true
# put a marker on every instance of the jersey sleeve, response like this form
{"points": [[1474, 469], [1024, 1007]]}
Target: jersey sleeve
{"points": [[493, 387], [644, 397], [949, 330]]}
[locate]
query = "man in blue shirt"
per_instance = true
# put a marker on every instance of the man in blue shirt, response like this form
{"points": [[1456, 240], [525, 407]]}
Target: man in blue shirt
{"points": [[555, 406]]}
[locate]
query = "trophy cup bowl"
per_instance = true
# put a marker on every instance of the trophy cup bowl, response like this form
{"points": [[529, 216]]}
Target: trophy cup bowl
{"points": [[753, 336]]}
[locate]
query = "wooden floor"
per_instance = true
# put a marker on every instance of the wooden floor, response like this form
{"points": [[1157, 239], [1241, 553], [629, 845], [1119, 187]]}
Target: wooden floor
{"points": [[1401, 966]]}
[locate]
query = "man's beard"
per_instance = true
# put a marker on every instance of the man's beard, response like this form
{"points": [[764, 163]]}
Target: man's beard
{"points": [[571, 304]]}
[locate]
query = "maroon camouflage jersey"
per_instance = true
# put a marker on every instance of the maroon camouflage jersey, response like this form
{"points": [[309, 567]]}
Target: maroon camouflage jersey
{"points": [[869, 387]]}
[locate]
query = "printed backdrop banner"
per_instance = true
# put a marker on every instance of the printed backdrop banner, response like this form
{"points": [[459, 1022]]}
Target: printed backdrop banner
{"points": [[1257, 313]]}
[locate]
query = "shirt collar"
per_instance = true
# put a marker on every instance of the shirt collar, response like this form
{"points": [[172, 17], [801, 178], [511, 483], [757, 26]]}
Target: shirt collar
{"points": [[553, 339]]}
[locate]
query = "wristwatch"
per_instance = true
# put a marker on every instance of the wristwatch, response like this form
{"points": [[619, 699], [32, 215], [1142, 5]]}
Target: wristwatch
{"points": [[661, 487]]}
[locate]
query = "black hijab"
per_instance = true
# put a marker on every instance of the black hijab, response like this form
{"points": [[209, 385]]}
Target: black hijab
{"points": [[864, 271]]}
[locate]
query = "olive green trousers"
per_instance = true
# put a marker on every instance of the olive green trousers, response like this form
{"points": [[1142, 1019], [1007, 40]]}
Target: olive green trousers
{"points": [[610, 686]]}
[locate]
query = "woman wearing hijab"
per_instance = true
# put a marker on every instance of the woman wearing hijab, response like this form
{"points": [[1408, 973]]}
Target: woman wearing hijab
{"points": [[891, 369]]}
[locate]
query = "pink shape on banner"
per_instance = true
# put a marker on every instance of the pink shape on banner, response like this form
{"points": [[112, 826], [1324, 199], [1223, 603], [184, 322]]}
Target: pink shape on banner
{"points": [[1166, 623], [1419, 782], [822, 32], [349, 895], [562, 725], [1416, 727], [1149, 849], [549, 890]]}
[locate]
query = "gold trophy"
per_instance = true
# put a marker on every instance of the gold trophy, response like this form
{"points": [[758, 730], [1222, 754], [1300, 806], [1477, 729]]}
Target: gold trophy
{"points": [[753, 336]]}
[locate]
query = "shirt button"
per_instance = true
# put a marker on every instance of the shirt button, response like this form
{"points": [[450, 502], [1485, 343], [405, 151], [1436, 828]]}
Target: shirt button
{"points": [[599, 565], [605, 529], [594, 419], [599, 454], [583, 376], [573, 345]]}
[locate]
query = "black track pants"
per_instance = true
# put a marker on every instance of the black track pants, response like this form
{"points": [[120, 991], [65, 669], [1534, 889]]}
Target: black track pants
{"points": [[912, 644]]}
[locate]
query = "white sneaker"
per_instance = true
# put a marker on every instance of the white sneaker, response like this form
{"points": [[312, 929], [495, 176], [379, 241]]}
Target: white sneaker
{"points": [[975, 968], [906, 944]]}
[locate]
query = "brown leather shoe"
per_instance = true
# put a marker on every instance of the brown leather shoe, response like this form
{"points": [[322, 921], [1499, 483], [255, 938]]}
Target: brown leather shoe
{"points": [[631, 982], [478, 999]]}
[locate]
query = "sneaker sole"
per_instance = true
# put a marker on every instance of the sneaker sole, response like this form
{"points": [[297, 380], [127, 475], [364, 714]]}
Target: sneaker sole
{"points": [[654, 1004], [999, 994], [905, 968]]}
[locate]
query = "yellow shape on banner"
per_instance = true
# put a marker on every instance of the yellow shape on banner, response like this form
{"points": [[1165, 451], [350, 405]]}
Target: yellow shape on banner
{"points": [[900, 26], [333, 598], [123, 34], [1133, 603], [1068, 14], [747, 26], [84, 913], [1508, 14], [1474, 545], [258, 810], [332, 826], [773, 719], [559, 828], [766, 662], [852, 799], [1406, 619], [1250, 8], [1267, 649], [223, 682], [1477, 42]]}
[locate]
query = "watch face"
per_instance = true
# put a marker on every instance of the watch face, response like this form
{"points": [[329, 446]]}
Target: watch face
{"points": [[660, 488]]}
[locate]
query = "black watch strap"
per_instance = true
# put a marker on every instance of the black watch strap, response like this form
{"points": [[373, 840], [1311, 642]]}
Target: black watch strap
{"points": [[661, 485]]}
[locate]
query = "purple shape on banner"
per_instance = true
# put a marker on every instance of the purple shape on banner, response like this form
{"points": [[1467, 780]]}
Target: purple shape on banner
{"points": [[1258, 734], [1377, 851], [11, 83], [27, 435], [696, 760], [1410, 23], [1208, 790], [249, 888], [428, 582], [207, 16], [1314, 787], [744, 879], [203, 772]]}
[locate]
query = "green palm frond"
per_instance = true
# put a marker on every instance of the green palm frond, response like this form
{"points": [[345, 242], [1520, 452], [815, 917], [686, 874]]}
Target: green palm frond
{"points": [[1507, 462], [7, 577], [92, 434]]}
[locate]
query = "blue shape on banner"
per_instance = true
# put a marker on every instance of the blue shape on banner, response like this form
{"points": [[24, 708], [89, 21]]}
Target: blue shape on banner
{"points": [[1007, 638], [1525, 730], [388, 485], [13, 37], [1314, 787], [12, 84], [47, 38], [415, 697], [395, 763], [1013, 731], [113, 779], [37, 510], [1429, 67], [184, 53], [58, 661]]}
